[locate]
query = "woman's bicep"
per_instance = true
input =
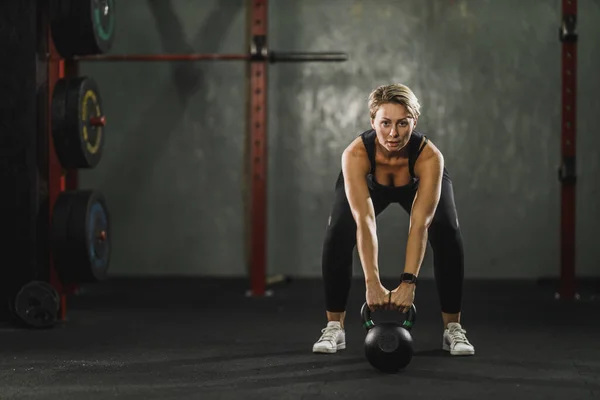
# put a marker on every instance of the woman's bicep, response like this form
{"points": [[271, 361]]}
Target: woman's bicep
{"points": [[430, 172], [355, 167]]}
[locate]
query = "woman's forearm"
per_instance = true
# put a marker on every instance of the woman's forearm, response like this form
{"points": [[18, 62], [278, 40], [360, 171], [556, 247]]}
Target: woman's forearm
{"points": [[366, 242], [415, 248]]}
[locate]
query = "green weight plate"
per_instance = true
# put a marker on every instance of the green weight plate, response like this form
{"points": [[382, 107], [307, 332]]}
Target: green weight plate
{"points": [[83, 27]]}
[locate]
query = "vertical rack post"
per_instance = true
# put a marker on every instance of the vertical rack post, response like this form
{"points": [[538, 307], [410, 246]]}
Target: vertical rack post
{"points": [[567, 171], [257, 103]]}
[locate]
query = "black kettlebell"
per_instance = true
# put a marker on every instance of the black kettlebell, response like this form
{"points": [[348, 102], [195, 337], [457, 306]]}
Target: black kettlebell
{"points": [[388, 345]]}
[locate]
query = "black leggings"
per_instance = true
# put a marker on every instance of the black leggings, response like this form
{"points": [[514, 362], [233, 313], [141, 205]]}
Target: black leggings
{"points": [[444, 237]]}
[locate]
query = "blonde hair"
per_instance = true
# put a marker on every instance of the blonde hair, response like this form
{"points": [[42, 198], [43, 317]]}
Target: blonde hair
{"points": [[394, 93]]}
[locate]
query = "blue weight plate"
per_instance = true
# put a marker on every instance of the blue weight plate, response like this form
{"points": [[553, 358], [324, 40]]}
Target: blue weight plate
{"points": [[81, 237]]}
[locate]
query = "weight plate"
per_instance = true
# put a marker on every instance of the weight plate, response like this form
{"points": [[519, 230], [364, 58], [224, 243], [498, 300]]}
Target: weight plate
{"points": [[36, 305], [78, 122], [104, 17], [81, 236], [83, 27]]}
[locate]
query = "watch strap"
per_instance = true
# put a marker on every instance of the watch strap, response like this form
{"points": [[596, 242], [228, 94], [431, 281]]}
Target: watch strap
{"points": [[408, 277]]}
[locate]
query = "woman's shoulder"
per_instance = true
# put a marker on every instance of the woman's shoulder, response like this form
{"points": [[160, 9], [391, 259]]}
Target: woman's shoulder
{"points": [[417, 136], [420, 140], [356, 147]]}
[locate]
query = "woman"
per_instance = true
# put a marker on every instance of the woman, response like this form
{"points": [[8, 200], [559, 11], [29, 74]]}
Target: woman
{"points": [[393, 163]]}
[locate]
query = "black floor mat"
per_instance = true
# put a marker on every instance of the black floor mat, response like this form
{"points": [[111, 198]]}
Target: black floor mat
{"points": [[205, 339]]}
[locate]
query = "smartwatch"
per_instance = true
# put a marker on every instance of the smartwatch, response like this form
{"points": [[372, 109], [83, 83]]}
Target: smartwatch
{"points": [[408, 278]]}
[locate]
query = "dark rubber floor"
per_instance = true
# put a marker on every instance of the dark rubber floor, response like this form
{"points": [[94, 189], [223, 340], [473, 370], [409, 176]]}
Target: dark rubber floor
{"points": [[204, 339]]}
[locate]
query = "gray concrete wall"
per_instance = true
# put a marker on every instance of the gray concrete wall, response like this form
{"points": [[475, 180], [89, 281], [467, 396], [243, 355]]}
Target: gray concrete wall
{"points": [[487, 74]]}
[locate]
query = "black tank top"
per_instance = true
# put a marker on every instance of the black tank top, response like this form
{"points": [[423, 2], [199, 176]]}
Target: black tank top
{"points": [[415, 146]]}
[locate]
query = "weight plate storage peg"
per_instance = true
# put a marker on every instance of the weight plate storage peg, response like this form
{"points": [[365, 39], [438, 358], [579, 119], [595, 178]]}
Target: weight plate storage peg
{"points": [[388, 345], [83, 27], [80, 236], [36, 305], [78, 122]]}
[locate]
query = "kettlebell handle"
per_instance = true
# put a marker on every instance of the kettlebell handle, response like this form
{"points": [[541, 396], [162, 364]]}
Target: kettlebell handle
{"points": [[368, 323]]}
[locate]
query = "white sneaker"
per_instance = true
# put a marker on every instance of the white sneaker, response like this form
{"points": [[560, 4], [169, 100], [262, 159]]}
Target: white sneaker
{"points": [[455, 341], [333, 338]]}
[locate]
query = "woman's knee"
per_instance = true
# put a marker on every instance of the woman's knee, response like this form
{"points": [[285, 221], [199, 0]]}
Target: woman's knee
{"points": [[445, 235], [340, 222], [446, 216], [339, 236], [445, 221]]}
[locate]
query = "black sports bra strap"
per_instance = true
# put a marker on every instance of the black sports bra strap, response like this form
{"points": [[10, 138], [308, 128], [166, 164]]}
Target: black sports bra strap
{"points": [[412, 161], [369, 142], [422, 146]]}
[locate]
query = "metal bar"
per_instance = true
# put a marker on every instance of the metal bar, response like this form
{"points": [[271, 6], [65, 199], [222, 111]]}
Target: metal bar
{"points": [[568, 36], [273, 57], [164, 57], [280, 56], [257, 103]]}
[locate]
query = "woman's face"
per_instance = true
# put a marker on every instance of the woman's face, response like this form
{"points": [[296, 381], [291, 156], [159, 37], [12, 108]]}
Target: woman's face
{"points": [[393, 125]]}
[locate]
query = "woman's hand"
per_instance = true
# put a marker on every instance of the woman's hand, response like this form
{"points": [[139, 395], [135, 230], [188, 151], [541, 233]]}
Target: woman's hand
{"points": [[377, 296], [403, 297]]}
